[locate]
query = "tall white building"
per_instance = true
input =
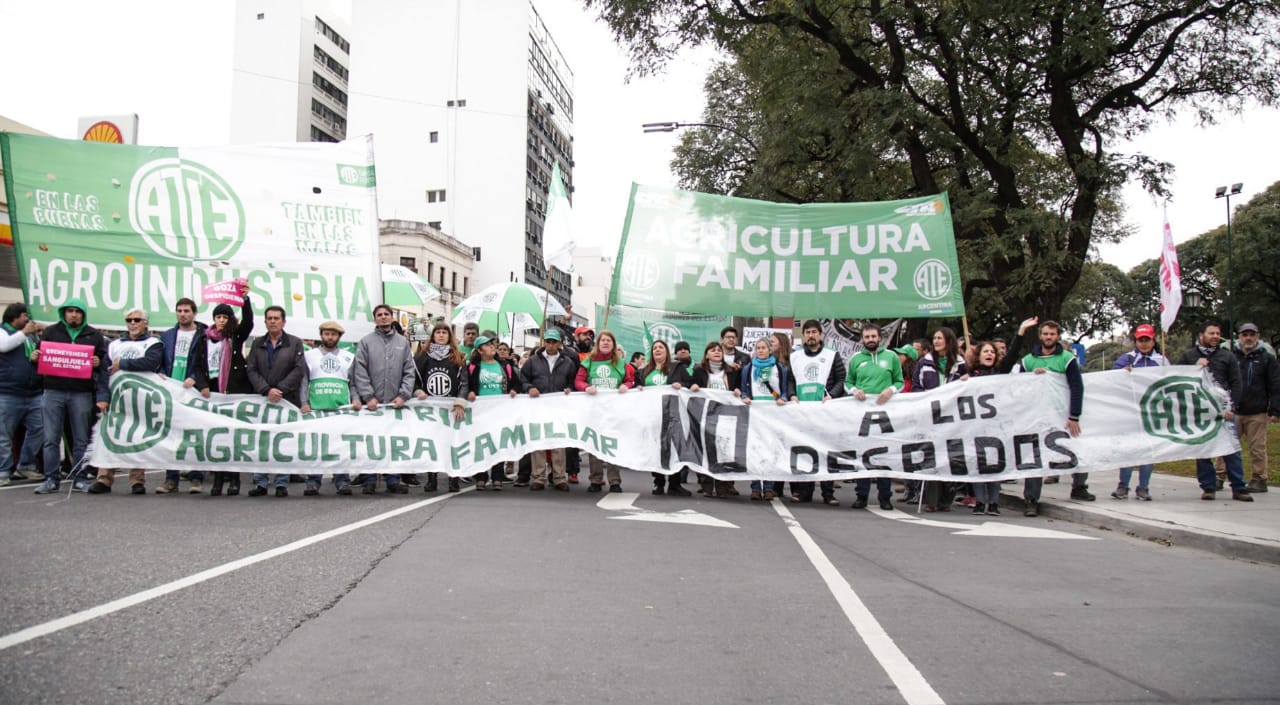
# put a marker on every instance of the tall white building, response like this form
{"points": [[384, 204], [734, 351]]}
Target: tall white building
{"points": [[291, 70], [470, 105]]}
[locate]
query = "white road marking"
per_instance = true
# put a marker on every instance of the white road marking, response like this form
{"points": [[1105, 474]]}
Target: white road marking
{"points": [[905, 676], [71, 620], [987, 528], [624, 501]]}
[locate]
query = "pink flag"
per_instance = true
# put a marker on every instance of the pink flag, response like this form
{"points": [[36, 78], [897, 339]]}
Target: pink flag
{"points": [[230, 292], [1170, 279]]}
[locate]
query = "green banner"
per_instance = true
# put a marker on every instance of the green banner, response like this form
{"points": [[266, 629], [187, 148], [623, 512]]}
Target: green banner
{"points": [[695, 252], [635, 328], [121, 226]]}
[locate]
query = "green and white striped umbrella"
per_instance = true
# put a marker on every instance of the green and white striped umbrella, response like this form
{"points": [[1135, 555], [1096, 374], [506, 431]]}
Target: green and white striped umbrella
{"points": [[402, 286], [490, 309]]}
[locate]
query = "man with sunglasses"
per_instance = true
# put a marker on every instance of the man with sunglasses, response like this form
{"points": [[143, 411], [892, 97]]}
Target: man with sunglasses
{"points": [[135, 351], [1259, 401], [69, 401]]}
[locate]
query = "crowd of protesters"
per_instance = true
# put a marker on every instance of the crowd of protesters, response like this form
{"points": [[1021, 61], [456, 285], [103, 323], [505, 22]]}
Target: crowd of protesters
{"points": [[51, 412]]}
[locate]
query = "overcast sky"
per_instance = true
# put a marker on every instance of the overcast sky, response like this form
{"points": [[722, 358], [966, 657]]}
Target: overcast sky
{"points": [[170, 62]]}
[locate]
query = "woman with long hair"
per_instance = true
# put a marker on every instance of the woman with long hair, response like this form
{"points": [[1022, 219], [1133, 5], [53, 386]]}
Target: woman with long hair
{"points": [[489, 377], [218, 366], [714, 373], [766, 378], [942, 364], [662, 370], [442, 373], [985, 360], [604, 368]]}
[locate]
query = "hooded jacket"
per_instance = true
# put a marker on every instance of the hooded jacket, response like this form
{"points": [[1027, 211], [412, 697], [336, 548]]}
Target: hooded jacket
{"points": [[537, 372], [17, 372], [1259, 382], [97, 384]]}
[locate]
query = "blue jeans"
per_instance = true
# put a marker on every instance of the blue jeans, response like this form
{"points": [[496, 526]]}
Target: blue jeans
{"points": [[769, 486], [260, 479], [1144, 475], [884, 488], [27, 411], [340, 479], [1208, 477], [74, 411]]}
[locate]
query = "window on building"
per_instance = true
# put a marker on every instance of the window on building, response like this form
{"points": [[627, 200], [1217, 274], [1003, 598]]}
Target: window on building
{"points": [[433, 136], [409, 263], [466, 286], [431, 270], [435, 196], [262, 15], [442, 277], [454, 282], [434, 224]]}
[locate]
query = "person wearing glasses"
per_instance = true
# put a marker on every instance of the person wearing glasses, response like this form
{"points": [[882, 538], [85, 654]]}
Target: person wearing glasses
{"points": [[135, 351]]}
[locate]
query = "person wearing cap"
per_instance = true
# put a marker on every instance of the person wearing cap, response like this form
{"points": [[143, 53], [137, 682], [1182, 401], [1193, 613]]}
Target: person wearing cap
{"points": [[218, 365], [550, 370], [873, 371], [1144, 354], [179, 345], [442, 372], [69, 402], [1259, 401], [487, 376], [584, 339], [1225, 371], [383, 374], [135, 351], [684, 357], [819, 372], [326, 386]]}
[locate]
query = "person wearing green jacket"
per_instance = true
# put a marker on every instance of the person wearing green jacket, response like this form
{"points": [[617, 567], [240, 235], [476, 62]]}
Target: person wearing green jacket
{"points": [[873, 371]]}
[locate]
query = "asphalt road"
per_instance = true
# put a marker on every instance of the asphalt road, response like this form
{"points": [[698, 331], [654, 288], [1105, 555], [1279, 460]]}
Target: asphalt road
{"points": [[522, 597]]}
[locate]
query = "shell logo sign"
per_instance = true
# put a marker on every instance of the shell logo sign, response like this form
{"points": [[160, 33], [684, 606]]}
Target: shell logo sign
{"points": [[104, 131]]}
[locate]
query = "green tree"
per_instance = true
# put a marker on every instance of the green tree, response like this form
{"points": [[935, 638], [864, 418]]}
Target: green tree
{"points": [[1095, 306], [1012, 107]]}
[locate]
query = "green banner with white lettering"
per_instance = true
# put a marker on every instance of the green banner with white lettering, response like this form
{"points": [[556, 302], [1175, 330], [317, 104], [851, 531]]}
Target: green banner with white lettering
{"points": [[699, 253], [123, 226], [636, 328]]}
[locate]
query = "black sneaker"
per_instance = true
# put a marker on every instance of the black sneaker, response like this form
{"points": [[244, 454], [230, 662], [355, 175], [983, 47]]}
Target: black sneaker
{"points": [[138, 488], [1032, 509], [310, 491], [659, 491], [345, 490], [1082, 493], [99, 488], [615, 488], [979, 508], [830, 500], [398, 488], [523, 483], [367, 489], [886, 505], [993, 510], [678, 491], [410, 479], [859, 503], [595, 487], [257, 491], [282, 491]]}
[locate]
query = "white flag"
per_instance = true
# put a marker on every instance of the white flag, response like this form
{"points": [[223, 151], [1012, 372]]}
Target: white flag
{"points": [[1170, 279], [557, 234]]}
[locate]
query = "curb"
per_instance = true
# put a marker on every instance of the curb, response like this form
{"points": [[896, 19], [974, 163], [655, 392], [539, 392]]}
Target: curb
{"points": [[1167, 533]]}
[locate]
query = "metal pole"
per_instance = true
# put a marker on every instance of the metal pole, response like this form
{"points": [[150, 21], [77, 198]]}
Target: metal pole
{"points": [[1230, 288]]}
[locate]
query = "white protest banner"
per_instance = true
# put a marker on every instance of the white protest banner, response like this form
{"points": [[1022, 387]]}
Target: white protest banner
{"points": [[983, 429]]}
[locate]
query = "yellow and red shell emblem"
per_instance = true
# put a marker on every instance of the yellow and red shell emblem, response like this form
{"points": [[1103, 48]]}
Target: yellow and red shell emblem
{"points": [[104, 131]]}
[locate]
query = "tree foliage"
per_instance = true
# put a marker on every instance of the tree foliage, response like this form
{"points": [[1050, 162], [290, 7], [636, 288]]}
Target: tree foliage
{"points": [[1012, 106]]}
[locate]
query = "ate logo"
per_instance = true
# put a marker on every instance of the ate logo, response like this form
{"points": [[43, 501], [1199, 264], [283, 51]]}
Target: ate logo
{"points": [[1181, 410], [439, 384], [811, 373], [140, 414], [330, 364], [932, 279], [603, 372], [640, 271], [185, 211]]}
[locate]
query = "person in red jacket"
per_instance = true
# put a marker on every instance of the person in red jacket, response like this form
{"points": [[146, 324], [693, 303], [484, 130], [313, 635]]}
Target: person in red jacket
{"points": [[604, 369]]}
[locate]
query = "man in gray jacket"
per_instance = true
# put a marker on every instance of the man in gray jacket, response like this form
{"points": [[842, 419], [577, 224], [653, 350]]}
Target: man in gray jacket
{"points": [[383, 374]]}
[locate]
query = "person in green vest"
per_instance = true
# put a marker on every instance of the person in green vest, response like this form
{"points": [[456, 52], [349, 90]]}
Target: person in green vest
{"points": [[326, 386], [1049, 356], [819, 373], [487, 376], [604, 369], [663, 371], [873, 371]]}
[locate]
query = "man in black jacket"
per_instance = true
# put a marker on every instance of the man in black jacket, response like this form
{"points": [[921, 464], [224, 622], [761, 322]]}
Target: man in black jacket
{"points": [[21, 397], [1259, 401], [275, 371], [69, 401], [1207, 352], [550, 370]]}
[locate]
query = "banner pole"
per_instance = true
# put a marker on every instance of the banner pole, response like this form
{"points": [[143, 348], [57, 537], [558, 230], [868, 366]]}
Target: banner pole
{"points": [[542, 332], [967, 340]]}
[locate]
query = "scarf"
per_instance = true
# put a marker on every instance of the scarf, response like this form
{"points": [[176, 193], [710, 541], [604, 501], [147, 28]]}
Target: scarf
{"points": [[1207, 352], [715, 367], [758, 366], [437, 351], [215, 337]]}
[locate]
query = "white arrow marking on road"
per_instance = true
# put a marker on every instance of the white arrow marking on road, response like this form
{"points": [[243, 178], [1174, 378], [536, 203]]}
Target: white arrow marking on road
{"points": [[623, 502], [986, 528]]}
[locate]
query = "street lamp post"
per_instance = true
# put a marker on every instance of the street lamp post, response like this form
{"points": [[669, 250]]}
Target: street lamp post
{"points": [[1223, 192], [672, 126]]}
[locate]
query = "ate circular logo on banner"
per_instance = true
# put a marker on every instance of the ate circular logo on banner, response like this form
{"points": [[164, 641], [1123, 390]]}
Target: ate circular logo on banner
{"points": [[932, 279], [185, 211], [665, 332], [1181, 410], [439, 384], [139, 417], [640, 271]]}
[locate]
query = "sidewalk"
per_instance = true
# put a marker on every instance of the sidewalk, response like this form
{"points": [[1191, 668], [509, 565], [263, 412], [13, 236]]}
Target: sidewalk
{"points": [[1175, 516]]}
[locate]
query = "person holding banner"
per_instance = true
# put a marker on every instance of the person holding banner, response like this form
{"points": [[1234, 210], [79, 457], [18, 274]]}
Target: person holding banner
{"points": [[383, 374], [326, 386], [604, 369], [135, 351], [218, 364], [713, 373], [180, 343], [819, 373], [942, 364], [1209, 354], [765, 377], [275, 371], [21, 393], [662, 371], [1049, 355], [71, 389], [1144, 354], [873, 370], [549, 371], [487, 376], [442, 370]]}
